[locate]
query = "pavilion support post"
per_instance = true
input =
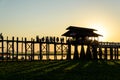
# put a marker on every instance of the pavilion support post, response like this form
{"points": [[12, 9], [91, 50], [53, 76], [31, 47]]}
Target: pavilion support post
{"points": [[88, 53], [76, 57], [69, 51], [82, 53], [105, 53], [111, 53], [75, 52], [94, 50], [100, 53]]}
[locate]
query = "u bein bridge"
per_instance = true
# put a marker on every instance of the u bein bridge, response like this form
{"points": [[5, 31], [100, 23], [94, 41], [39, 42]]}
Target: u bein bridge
{"points": [[77, 44]]}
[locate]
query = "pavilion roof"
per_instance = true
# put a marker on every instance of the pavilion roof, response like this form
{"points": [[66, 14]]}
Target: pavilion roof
{"points": [[80, 28], [74, 31]]}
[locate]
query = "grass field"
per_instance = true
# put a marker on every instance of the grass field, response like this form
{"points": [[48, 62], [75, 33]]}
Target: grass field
{"points": [[60, 70]]}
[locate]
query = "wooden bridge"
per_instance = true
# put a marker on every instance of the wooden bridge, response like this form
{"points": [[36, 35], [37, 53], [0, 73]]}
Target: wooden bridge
{"points": [[54, 48], [29, 50], [111, 50], [78, 43]]}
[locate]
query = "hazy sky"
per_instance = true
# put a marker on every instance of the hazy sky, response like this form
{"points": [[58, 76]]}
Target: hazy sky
{"points": [[51, 17]]}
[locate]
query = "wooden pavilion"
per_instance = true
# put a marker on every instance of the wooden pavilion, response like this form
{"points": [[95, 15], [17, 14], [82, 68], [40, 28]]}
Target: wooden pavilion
{"points": [[83, 36]]}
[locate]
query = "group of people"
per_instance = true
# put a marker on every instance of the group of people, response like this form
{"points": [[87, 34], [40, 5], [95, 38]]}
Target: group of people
{"points": [[49, 39]]}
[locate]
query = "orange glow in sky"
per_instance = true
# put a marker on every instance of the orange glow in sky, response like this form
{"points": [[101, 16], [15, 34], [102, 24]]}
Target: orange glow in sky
{"points": [[100, 30]]}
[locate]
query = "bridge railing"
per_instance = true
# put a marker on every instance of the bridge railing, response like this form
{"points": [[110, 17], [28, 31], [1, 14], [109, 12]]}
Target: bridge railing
{"points": [[109, 44]]}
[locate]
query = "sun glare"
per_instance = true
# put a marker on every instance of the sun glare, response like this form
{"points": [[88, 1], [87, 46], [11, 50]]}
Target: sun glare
{"points": [[100, 30]]}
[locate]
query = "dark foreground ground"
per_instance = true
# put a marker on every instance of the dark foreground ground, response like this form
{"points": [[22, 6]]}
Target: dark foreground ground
{"points": [[60, 70]]}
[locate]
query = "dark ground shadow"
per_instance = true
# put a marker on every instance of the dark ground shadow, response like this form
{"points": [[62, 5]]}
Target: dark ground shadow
{"points": [[91, 70], [61, 70]]}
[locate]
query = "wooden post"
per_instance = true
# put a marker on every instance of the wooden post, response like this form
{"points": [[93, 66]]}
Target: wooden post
{"points": [[82, 53], [61, 49], [7, 50], [47, 48], [55, 52], [33, 55], [100, 53], [2, 49], [117, 53], [75, 57], [111, 53], [88, 53], [22, 49], [17, 49], [94, 50], [25, 49], [40, 49], [69, 50], [105, 54], [48, 51], [13, 49]]}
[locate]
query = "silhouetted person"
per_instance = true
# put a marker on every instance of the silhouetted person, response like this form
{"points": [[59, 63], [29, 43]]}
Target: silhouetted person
{"points": [[1, 36]]}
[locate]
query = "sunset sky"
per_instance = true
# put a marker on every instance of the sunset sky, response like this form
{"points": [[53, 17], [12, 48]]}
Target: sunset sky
{"points": [[28, 18]]}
